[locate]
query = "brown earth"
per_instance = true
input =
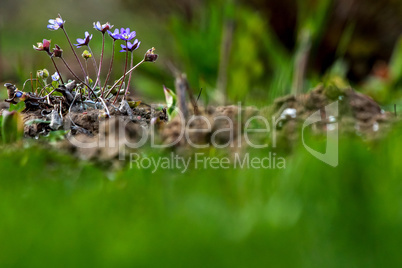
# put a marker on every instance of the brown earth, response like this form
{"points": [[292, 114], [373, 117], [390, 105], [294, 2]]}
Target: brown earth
{"points": [[223, 125]]}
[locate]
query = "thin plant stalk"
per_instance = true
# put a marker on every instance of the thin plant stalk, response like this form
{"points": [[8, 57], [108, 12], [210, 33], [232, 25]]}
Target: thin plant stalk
{"points": [[57, 70], [110, 68], [75, 54], [86, 69], [124, 76], [100, 61], [129, 77], [79, 79], [43, 89], [71, 71], [121, 78], [95, 65], [26, 81], [42, 85]]}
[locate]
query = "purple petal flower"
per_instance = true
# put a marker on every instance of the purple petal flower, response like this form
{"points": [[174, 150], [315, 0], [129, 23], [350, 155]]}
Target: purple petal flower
{"points": [[102, 28], [126, 35], [130, 47], [56, 23], [115, 35], [85, 41]]}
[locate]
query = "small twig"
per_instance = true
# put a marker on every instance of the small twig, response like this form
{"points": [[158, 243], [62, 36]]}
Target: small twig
{"points": [[181, 90], [183, 85], [104, 104], [199, 95], [23, 86], [396, 115], [69, 109], [196, 111], [61, 108]]}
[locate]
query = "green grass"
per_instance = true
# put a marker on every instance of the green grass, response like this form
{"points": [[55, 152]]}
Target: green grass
{"points": [[57, 211]]}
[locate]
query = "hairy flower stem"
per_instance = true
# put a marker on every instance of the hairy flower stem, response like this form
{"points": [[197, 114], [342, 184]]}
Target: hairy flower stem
{"points": [[79, 79], [57, 70], [124, 76], [75, 54], [86, 69], [71, 71], [129, 77], [110, 69], [94, 63], [100, 61], [121, 78]]}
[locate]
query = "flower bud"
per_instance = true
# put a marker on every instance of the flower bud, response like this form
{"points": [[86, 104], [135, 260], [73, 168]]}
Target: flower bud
{"points": [[42, 73], [150, 56], [86, 54], [45, 73], [44, 46], [57, 52], [39, 73]]}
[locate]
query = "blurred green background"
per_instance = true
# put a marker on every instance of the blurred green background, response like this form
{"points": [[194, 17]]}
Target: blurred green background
{"points": [[59, 211]]}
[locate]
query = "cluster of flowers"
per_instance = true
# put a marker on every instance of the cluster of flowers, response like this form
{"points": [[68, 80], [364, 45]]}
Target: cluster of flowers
{"points": [[96, 90]]}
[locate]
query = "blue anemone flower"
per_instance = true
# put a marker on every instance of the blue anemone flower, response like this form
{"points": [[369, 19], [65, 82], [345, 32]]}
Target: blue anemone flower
{"points": [[56, 77], [56, 23], [18, 94], [130, 47], [85, 41], [115, 35], [102, 27], [126, 35]]}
